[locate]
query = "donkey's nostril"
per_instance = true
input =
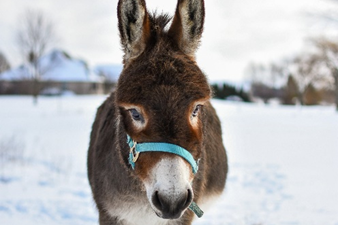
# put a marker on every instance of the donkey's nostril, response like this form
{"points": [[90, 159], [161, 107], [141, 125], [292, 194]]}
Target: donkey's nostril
{"points": [[171, 207], [157, 201], [188, 199]]}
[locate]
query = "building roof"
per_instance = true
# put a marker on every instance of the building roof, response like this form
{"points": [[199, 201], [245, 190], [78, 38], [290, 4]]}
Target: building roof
{"points": [[55, 66]]}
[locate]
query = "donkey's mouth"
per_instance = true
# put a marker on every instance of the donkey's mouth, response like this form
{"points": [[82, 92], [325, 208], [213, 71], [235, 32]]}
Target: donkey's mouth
{"points": [[169, 216]]}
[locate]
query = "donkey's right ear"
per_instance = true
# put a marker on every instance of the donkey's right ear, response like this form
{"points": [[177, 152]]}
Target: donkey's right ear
{"points": [[134, 26]]}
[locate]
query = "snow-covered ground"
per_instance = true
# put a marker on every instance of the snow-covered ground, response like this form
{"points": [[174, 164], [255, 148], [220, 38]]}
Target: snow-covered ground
{"points": [[283, 163]]}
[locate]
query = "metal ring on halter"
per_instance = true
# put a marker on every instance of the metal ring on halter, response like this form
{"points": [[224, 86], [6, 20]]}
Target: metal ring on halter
{"points": [[134, 153]]}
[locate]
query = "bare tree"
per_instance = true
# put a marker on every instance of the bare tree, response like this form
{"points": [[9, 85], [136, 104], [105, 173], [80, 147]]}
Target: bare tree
{"points": [[329, 54], [330, 15], [308, 69], [279, 72], [330, 48], [267, 80], [35, 35]]}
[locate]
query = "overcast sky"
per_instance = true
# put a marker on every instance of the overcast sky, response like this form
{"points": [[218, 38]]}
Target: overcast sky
{"points": [[236, 32]]}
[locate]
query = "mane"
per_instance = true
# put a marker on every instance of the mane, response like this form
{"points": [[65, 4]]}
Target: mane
{"points": [[159, 22], [158, 30]]}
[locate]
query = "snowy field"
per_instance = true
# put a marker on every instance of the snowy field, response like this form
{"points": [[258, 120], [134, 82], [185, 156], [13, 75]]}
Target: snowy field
{"points": [[283, 163]]}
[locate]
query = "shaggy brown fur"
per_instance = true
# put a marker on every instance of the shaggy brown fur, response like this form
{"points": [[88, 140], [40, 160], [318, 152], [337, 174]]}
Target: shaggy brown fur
{"points": [[160, 76]]}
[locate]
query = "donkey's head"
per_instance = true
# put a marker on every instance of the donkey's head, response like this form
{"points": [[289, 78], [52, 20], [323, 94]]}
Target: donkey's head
{"points": [[160, 93]]}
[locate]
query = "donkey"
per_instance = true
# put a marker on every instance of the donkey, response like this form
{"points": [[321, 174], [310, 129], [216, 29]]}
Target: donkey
{"points": [[156, 143]]}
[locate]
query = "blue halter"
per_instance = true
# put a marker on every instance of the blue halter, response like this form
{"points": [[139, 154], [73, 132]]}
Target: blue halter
{"points": [[137, 148]]}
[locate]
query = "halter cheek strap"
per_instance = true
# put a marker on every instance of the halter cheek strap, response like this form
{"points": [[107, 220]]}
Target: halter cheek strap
{"points": [[137, 148]]}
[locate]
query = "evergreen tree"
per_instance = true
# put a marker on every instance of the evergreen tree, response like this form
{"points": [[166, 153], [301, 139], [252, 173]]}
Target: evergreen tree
{"points": [[311, 95], [226, 90], [4, 64], [291, 91]]}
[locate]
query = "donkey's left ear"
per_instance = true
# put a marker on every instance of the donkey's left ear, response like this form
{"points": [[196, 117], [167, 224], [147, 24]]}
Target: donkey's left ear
{"points": [[187, 25], [134, 26]]}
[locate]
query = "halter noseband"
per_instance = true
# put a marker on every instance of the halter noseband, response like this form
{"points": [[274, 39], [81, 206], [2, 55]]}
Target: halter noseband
{"points": [[137, 148]]}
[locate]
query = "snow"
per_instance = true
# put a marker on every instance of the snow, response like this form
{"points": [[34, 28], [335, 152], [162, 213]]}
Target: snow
{"points": [[283, 163]]}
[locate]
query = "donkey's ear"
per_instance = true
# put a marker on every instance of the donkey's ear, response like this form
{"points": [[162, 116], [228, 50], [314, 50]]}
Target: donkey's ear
{"points": [[134, 26], [187, 25]]}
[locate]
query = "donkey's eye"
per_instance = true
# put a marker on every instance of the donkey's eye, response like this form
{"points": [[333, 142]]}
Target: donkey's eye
{"points": [[135, 115], [196, 110]]}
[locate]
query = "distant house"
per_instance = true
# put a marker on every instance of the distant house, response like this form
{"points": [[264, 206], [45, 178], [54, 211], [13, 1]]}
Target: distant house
{"points": [[59, 73], [110, 74]]}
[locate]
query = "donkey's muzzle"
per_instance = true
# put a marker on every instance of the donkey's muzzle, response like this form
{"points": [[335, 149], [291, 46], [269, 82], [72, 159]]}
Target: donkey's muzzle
{"points": [[171, 207]]}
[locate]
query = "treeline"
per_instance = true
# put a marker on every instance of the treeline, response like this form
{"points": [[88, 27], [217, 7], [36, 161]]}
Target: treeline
{"points": [[227, 91], [309, 78]]}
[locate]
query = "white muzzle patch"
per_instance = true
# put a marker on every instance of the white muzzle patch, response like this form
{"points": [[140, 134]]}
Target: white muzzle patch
{"points": [[169, 188]]}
